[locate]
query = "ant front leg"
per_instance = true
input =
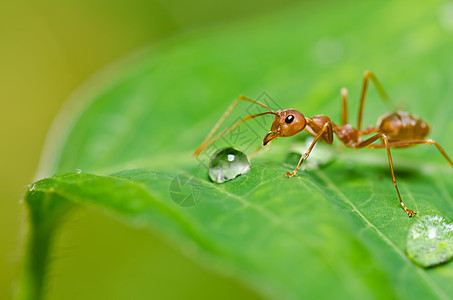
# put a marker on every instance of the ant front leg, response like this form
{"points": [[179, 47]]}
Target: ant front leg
{"points": [[326, 128]]}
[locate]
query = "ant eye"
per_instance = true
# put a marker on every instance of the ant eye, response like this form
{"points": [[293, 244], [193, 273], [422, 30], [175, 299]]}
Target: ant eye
{"points": [[289, 119]]}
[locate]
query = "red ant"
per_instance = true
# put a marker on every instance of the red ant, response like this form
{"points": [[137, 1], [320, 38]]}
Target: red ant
{"points": [[395, 130]]}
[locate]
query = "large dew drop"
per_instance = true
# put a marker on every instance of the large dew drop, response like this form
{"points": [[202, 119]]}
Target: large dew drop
{"points": [[227, 164], [430, 241]]}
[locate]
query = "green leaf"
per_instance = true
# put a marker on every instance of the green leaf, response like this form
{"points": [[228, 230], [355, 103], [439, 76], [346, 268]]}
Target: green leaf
{"points": [[337, 232]]}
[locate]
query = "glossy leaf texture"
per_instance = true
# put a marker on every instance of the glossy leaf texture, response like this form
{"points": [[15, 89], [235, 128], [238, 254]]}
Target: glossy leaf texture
{"points": [[336, 232]]}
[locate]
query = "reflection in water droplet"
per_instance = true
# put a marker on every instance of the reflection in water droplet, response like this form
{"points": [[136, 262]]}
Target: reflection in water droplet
{"points": [[228, 163], [430, 241]]}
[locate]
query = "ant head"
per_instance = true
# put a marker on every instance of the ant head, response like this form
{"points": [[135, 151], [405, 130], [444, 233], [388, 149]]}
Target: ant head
{"points": [[287, 122]]}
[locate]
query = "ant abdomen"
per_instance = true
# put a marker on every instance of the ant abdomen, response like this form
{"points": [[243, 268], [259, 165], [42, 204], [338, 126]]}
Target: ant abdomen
{"points": [[402, 126]]}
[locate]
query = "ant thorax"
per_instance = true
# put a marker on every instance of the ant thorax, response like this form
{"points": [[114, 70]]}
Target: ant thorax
{"points": [[315, 125], [347, 134]]}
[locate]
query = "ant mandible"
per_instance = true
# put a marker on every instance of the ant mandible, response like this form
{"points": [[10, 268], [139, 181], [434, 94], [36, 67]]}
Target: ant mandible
{"points": [[395, 130]]}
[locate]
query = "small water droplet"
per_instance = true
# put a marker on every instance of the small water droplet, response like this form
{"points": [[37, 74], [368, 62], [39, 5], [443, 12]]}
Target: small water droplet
{"points": [[227, 164], [430, 241]]}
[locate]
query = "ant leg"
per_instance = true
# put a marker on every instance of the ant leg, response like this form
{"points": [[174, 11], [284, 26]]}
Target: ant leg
{"points": [[210, 139], [368, 75], [419, 142], [368, 130], [411, 213], [326, 128], [314, 129], [366, 143], [344, 100]]}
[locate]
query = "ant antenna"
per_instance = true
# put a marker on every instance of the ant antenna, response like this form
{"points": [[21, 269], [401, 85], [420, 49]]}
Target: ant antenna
{"points": [[210, 139]]}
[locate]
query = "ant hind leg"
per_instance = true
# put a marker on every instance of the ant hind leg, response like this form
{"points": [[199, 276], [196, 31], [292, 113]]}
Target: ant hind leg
{"points": [[410, 212], [417, 142], [387, 145], [327, 128]]}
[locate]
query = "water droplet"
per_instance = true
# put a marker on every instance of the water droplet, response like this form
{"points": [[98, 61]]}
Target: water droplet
{"points": [[321, 155], [430, 241], [227, 164]]}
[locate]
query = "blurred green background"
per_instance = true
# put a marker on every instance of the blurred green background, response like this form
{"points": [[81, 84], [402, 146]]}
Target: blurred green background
{"points": [[48, 49]]}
